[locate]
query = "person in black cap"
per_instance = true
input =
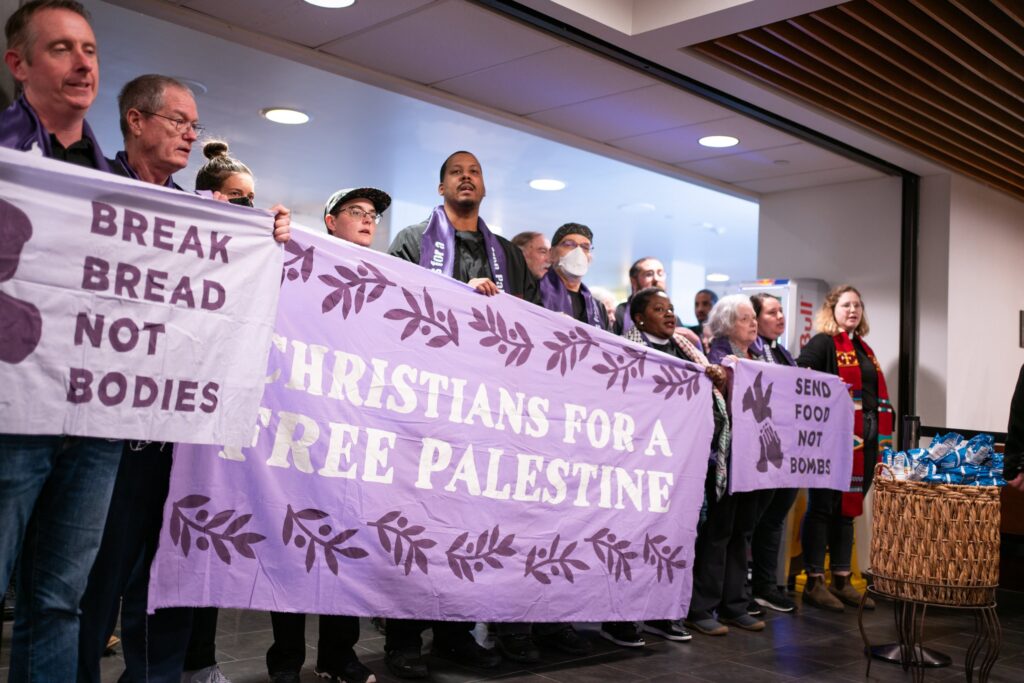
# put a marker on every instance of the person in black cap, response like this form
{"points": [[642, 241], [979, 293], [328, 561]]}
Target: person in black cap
{"points": [[351, 215]]}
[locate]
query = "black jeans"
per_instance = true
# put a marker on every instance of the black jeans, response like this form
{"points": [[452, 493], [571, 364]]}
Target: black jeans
{"points": [[153, 644], [720, 561], [826, 528], [334, 648], [405, 634], [202, 646], [767, 539]]}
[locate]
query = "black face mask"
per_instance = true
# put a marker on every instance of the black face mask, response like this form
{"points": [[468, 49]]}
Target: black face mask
{"points": [[241, 201]]}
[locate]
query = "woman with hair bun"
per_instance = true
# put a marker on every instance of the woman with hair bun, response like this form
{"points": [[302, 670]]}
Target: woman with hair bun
{"points": [[839, 349], [226, 175]]}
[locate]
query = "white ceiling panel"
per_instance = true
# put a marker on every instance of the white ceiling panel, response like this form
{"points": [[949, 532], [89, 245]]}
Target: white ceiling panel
{"points": [[812, 179], [634, 112], [300, 22], [679, 145], [542, 81], [768, 163], [440, 42]]}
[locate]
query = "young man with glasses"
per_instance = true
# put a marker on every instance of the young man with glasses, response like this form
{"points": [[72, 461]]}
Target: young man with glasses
{"points": [[353, 216]]}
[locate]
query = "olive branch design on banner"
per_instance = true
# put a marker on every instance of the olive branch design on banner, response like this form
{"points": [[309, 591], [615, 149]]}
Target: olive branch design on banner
{"points": [[684, 381], [306, 538], [613, 552], [407, 549], [426, 318], [665, 559], [540, 558], [183, 527], [476, 554], [357, 281], [618, 365], [503, 336], [570, 349], [301, 262]]}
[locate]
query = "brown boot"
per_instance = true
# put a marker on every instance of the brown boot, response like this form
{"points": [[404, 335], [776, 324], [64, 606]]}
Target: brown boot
{"points": [[844, 590], [816, 594]]}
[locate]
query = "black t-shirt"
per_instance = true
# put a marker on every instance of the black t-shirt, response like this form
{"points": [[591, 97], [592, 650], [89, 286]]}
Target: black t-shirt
{"points": [[868, 379], [472, 256], [78, 153], [579, 306]]}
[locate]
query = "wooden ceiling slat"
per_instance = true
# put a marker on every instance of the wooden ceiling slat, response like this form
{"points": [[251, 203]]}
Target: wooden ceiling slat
{"points": [[756, 70], [894, 74], [952, 18], [1013, 9], [873, 33], [995, 22], [825, 94], [923, 25], [881, 105]]}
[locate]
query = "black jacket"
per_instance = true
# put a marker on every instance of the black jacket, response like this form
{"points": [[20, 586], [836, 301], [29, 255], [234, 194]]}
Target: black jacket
{"points": [[519, 281], [1014, 455]]}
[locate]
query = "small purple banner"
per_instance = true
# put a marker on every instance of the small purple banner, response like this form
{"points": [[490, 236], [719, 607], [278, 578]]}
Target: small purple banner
{"points": [[424, 451], [792, 428], [129, 310]]}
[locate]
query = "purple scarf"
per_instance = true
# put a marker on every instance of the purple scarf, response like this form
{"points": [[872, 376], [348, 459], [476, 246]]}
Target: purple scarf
{"points": [[21, 129], [555, 297], [122, 159], [437, 247]]}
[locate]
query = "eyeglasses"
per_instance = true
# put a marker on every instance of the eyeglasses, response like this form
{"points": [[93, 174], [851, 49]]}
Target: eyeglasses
{"points": [[570, 244], [180, 125], [359, 214]]}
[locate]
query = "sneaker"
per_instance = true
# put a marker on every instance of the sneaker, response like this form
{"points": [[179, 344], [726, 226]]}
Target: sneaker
{"points": [[776, 600], [664, 628], [518, 647], [754, 609], [623, 633], [819, 596], [567, 640], [406, 663], [851, 596], [285, 677], [467, 652], [744, 621], [210, 674], [709, 627], [353, 671]]}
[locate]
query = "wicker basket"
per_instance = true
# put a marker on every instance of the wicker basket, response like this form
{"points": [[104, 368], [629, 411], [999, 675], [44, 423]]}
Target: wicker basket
{"points": [[935, 543]]}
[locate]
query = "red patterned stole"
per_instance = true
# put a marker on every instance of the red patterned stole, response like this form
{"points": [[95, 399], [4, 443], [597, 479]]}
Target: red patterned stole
{"points": [[849, 371]]}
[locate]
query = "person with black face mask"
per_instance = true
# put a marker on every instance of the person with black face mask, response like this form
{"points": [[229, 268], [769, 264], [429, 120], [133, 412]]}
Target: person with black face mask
{"points": [[225, 175]]}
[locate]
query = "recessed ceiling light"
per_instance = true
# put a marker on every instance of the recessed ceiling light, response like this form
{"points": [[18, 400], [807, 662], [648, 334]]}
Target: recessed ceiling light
{"points": [[717, 277], [719, 141], [195, 86], [290, 117], [332, 4], [547, 184], [638, 207]]}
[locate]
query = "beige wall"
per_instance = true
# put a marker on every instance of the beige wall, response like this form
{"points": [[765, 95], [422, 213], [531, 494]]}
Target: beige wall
{"points": [[848, 232]]}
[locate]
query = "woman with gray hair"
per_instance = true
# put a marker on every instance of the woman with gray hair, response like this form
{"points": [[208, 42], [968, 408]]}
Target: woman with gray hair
{"points": [[720, 562]]}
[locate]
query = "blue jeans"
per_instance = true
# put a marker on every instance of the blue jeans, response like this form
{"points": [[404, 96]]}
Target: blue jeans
{"points": [[54, 493]]}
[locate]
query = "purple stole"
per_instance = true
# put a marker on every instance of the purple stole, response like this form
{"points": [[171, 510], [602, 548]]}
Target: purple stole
{"points": [[21, 129], [555, 297], [122, 159], [437, 247]]}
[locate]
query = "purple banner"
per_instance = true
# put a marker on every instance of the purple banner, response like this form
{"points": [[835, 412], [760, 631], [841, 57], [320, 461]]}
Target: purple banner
{"points": [[129, 310], [426, 451], [792, 428]]}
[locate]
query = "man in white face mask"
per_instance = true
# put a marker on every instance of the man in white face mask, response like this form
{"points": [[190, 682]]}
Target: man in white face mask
{"points": [[562, 288]]}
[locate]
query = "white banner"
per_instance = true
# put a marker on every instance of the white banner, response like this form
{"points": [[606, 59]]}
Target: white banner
{"points": [[129, 310]]}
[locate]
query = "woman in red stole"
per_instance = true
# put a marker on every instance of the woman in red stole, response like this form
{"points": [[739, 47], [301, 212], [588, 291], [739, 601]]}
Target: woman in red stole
{"points": [[839, 349]]}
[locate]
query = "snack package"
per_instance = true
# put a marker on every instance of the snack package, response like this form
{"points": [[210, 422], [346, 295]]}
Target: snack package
{"points": [[979, 449], [941, 445]]}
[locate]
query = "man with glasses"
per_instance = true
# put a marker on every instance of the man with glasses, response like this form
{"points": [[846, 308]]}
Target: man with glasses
{"points": [[159, 122], [54, 489], [350, 215]]}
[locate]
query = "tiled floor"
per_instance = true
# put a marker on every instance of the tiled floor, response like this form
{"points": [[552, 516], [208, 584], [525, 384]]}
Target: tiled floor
{"points": [[810, 646]]}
